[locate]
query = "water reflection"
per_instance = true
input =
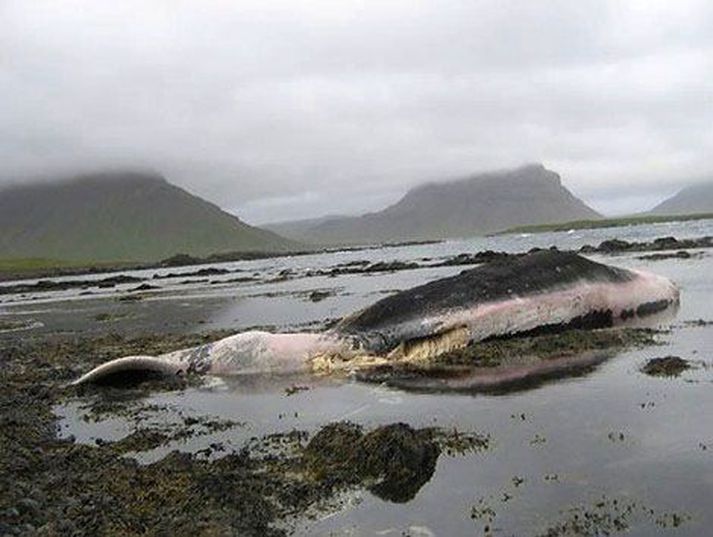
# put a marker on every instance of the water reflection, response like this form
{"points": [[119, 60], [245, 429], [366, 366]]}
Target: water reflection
{"points": [[498, 380]]}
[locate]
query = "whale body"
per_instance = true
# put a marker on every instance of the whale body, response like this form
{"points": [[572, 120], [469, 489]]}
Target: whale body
{"points": [[548, 290]]}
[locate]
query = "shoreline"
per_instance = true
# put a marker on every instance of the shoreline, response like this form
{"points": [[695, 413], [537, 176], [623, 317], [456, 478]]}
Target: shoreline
{"points": [[605, 223], [67, 268]]}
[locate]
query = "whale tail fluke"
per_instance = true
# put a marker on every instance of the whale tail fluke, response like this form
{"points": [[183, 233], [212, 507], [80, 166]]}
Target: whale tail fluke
{"points": [[128, 367]]}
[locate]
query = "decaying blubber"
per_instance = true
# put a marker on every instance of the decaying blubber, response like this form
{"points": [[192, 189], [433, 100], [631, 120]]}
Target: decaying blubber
{"points": [[545, 290]]}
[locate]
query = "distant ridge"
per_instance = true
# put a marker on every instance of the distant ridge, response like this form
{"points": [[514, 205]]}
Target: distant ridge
{"points": [[481, 204], [693, 199], [121, 216]]}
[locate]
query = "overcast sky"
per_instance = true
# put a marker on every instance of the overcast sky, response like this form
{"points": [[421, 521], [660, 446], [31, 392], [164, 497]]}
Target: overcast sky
{"points": [[280, 110]]}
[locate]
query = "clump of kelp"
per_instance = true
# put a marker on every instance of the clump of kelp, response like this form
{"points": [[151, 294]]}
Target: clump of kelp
{"points": [[611, 516], [666, 366], [51, 486]]}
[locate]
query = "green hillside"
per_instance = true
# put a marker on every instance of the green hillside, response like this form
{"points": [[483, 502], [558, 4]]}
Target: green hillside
{"points": [[120, 216], [607, 222]]}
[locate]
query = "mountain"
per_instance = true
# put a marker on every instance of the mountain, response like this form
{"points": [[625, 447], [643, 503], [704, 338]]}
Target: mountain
{"points": [[691, 200], [301, 228], [480, 204], [120, 216]]}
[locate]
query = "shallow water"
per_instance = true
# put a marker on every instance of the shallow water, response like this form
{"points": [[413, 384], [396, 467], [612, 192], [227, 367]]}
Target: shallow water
{"points": [[613, 433], [215, 303]]}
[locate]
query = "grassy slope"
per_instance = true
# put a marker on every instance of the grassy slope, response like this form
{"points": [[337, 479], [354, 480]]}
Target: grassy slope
{"points": [[32, 263], [606, 222], [120, 217], [34, 267]]}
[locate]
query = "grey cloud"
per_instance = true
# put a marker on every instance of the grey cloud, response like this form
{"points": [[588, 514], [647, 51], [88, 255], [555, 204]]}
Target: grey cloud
{"points": [[253, 104]]}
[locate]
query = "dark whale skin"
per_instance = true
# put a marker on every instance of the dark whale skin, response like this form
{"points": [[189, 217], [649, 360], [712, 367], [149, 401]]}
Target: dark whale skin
{"points": [[383, 325]]}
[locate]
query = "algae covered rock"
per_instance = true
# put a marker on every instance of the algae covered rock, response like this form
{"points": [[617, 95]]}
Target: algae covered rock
{"points": [[393, 461], [400, 458]]}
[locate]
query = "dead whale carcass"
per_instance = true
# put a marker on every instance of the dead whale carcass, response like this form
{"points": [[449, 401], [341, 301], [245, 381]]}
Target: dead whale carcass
{"points": [[545, 290]]}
